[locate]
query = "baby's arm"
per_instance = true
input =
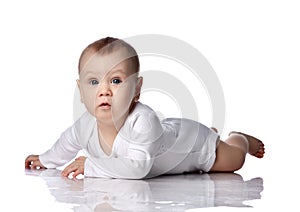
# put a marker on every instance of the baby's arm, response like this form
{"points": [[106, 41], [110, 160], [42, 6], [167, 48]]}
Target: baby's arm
{"points": [[65, 149]]}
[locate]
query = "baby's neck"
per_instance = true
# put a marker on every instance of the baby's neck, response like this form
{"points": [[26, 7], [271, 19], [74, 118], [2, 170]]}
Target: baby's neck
{"points": [[107, 135], [108, 131]]}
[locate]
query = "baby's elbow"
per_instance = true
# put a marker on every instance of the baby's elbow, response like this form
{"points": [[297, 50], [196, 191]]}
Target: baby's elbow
{"points": [[138, 175], [140, 170]]}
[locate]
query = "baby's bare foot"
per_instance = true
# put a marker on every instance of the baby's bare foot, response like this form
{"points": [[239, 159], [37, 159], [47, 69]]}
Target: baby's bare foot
{"points": [[256, 146]]}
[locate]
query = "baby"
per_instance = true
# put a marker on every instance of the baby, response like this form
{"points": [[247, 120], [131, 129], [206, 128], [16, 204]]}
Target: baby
{"points": [[123, 138]]}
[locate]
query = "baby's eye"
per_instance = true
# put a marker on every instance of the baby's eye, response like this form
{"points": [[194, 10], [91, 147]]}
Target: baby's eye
{"points": [[94, 82], [116, 81]]}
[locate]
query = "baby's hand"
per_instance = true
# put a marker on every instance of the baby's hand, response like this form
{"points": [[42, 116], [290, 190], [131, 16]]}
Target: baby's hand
{"points": [[77, 167], [33, 162]]}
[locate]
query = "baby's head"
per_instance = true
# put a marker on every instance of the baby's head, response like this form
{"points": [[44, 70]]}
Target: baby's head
{"points": [[106, 46], [108, 79]]}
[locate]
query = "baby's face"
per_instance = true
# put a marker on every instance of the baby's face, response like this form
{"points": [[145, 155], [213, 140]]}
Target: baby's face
{"points": [[108, 85]]}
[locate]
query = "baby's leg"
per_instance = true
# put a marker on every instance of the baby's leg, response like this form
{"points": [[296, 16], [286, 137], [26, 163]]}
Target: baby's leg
{"points": [[231, 154]]}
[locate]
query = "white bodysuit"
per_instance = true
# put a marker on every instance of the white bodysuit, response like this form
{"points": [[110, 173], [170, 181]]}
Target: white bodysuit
{"points": [[144, 147]]}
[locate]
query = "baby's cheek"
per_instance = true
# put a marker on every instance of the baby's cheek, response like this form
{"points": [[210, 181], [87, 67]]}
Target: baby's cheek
{"points": [[89, 99], [122, 101]]}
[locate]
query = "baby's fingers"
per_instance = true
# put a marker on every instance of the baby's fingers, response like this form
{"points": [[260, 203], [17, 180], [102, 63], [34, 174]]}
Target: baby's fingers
{"points": [[36, 165], [27, 164], [31, 161], [78, 172], [69, 169]]}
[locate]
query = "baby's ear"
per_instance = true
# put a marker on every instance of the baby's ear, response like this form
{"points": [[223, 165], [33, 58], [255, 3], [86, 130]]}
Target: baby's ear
{"points": [[78, 85], [139, 85]]}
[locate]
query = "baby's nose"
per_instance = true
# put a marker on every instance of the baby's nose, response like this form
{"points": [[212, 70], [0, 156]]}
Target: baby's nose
{"points": [[104, 89]]}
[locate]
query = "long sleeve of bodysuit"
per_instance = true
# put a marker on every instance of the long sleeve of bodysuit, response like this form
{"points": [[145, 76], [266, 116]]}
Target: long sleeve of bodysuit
{"points": [[65, 149]]}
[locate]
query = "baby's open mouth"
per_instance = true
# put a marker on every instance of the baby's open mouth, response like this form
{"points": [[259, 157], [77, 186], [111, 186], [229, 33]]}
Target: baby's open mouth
{"points": [[105, 105]]}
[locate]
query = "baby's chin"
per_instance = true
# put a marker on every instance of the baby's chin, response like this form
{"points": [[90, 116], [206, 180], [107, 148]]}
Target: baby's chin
{"points": [[108, 118]]}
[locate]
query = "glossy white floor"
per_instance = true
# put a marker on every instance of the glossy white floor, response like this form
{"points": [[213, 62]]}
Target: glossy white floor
{"points": [[260, 186], [46, 190], [165, 193]]}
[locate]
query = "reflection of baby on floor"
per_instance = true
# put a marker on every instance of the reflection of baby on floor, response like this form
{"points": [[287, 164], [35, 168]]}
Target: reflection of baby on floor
{"points": [[164, 193], [89, 194], [205, 190], [232, 190], [116, 194]]}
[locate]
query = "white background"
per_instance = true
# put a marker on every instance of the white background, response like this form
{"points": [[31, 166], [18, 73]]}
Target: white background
{"points": [[253, 46]]}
